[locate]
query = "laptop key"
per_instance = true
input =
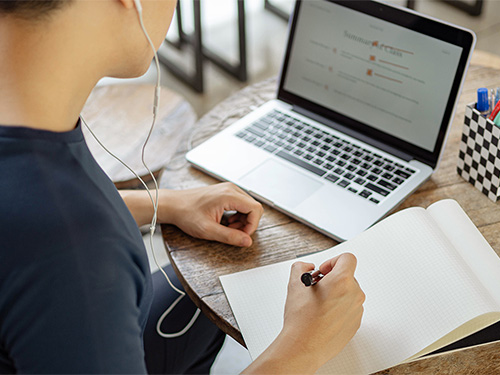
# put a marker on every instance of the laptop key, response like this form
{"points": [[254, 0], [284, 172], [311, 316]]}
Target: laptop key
{"points": [[255, 130], [351, 189], [377, 189], [359, 181], [365, 193], [389, 167], [351, 168], [260, 143], [261, 125], [387, 184], [387, 176], [376, 201], [398, 180], [300, 163], [349, 176], [332, 178], [402, 173], [343, 183], [270, 148], [345, 156]]}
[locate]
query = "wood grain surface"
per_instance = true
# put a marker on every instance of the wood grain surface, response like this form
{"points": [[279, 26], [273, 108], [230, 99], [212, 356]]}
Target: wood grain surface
{"points": [[107, 112], [199, 263]]}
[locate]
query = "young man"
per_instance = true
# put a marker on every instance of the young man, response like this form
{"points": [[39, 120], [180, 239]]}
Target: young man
{"points": [[76, 295]]}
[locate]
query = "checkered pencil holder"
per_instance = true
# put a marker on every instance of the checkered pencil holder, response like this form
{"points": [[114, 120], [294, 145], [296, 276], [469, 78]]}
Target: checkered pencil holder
{"points": [[479, 156]]}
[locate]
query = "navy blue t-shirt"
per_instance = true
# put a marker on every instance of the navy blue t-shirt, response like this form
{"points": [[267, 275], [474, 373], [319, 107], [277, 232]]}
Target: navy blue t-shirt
{"points": [[75, 284]]}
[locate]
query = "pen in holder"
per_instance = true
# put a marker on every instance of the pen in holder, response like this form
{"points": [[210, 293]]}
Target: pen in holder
{"points": [[479, 155]]}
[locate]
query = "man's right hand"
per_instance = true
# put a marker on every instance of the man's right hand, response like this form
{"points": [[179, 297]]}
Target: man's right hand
{"points": [[319, 320]]}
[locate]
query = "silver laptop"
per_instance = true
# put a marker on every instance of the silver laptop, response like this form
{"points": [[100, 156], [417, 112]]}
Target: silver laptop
{"points": [[366, 97]]}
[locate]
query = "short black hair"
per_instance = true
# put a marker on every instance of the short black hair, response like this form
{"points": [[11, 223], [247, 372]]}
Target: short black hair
{"points": [[31, 9]]}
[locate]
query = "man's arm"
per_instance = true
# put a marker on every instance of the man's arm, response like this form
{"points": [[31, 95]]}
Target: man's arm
{"points": [[319, 321], [198, 212]]}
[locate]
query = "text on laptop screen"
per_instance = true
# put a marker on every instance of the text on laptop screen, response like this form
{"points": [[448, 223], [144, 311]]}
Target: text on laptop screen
{"points": [[388, 77]]}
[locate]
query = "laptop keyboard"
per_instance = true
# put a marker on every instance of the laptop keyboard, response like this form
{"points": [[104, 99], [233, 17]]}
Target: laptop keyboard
{"points": [[337, 160]]}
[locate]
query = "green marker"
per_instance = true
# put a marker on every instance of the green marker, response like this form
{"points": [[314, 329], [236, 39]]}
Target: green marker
{"points": [[497, 119]]}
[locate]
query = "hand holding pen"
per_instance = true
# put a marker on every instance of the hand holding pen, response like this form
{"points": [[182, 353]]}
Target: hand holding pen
{"points": [[326, 315]]}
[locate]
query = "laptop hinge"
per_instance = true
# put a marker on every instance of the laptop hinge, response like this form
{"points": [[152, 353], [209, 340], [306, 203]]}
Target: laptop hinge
{"points": [[362, 137]]}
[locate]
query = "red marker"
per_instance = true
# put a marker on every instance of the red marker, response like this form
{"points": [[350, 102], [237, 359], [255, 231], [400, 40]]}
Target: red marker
{"points": [[495, 111]]}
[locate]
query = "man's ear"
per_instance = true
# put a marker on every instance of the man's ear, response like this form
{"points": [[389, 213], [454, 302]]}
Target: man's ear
{"points": [[129, 4]]}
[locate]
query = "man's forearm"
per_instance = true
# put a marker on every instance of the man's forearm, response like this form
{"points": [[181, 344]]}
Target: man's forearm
{"points": [[140, 205]]}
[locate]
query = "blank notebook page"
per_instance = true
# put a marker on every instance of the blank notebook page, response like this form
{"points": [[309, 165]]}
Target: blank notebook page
{"points": [[417, 290]]}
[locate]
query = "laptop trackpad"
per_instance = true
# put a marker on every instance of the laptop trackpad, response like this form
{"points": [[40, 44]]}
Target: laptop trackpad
{"points": [[280, 184]]}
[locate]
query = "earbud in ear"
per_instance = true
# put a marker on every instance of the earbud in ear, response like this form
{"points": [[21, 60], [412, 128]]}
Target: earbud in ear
{"points": [[138, 6]]}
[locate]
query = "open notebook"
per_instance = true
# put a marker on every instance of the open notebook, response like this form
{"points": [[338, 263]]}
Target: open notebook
{"points": [[429, 276]]}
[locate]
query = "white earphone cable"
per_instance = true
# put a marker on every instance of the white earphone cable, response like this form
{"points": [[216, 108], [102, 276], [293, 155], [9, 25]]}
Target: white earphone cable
{"points": [[154, 200]]}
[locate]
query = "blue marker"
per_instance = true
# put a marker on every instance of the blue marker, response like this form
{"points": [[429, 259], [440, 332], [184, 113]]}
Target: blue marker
{"points": [[482, 104]]}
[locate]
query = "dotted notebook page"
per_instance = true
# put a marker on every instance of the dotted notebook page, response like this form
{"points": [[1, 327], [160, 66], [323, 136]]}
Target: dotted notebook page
{"points": [[416, 287], [475, 251]]}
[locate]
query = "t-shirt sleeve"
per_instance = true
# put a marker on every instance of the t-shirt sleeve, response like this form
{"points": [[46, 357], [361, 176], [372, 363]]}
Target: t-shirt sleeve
{"points": [[75, 312]]}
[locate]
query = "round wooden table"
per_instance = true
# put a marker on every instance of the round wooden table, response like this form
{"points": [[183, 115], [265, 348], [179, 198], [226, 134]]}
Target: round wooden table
{"points": [[199, 263]]}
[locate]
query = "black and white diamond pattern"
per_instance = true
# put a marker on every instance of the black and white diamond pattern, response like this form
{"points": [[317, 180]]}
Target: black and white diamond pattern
{"points": [[479, 156]]}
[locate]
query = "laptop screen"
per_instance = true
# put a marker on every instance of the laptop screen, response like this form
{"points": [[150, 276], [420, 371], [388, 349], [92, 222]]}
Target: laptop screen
{"points": [[383, 71]]}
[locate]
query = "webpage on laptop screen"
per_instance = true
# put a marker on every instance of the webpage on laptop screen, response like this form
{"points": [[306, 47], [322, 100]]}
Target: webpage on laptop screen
{"points": [[394, 79]]}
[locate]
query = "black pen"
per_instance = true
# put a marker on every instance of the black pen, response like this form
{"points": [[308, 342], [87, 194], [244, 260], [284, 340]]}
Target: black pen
{"points": [[312, 277]]}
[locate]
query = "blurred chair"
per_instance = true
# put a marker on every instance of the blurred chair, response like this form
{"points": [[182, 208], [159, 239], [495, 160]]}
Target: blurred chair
{"points": [[202, 53]]}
